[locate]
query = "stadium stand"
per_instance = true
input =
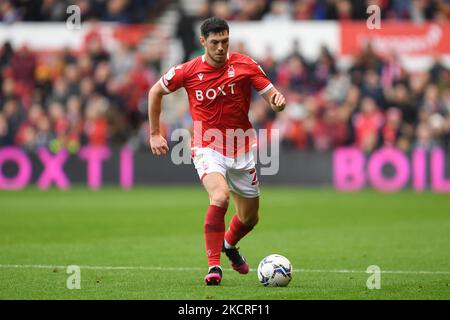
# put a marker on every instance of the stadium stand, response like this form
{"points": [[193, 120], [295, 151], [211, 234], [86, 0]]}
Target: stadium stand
{"points": [[68, 98]]}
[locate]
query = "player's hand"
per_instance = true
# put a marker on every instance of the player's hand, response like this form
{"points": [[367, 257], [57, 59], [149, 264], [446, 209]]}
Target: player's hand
{"points": [[277, 102], [158, 144]]}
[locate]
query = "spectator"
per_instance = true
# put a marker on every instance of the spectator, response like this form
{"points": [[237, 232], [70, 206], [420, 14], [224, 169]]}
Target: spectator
{"points": [[117, 11], [400, 99], [8, 13], [95, 126], [269, 64], [391, 129], [337, 87], [445, 102], [293, 75], [5, 135], [74, 124], [324, 68], [289, 131], [436, 124], [391, 70], [250, 10], [122, 60], [94, 47], [424, 137], [45, 137], [372, 87], [101, 75], [329, 130], [186, 33], [53, 10], [431, 102], [296, 52], [6, 55], [400, 9], [416, 84], [72, 78], [221, 9], [87, 88], [421, 10], [367, 124], [12, 111], [258, 114], [60, 91], [23, 66], [340, 10], [8, 91], [279, 12]]}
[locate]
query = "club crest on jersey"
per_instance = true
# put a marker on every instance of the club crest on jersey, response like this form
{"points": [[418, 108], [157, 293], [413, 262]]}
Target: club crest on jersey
{"points": [[200, 76], [230, 71]]}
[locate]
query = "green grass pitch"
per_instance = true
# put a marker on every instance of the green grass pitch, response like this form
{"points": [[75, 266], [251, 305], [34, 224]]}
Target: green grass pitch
{"points": [[147, 243]]}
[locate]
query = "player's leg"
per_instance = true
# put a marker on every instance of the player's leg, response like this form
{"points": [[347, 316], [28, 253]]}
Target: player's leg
{"points": [[245, 190], [243, 221], [217, 188], [214, 227], [211, 169]]}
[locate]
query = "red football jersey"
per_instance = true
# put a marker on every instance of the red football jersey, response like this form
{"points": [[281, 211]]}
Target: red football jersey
{"points": [[219, 99]]}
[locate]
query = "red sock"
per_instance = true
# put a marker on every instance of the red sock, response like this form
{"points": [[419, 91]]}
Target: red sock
{"points": [[236, 231], [214, 231]]}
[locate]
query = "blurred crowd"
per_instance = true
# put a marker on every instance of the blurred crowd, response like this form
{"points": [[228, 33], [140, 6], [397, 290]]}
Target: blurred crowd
{"points": [[415, 11], [374, 103], [65, 99], [137, 11], [277, 10], [121, 11]]}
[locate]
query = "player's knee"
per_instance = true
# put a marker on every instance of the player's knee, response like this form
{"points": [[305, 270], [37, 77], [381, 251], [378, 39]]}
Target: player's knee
{"points": [[220, 199]]}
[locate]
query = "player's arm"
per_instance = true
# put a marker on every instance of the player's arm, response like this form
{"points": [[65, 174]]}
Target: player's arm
{"points": [[264, 87], [275, 99], [158, 144]]}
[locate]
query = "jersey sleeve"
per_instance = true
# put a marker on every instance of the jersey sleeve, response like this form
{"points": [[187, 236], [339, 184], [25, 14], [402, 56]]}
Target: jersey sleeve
{"points": [[258, 78], [173, 79]]}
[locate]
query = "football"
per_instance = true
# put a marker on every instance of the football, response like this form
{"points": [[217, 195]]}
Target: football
{"points": [[275, 271]]}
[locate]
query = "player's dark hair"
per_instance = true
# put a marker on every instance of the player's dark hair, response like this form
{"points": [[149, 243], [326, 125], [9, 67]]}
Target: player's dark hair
{"points": [[213, 25]]}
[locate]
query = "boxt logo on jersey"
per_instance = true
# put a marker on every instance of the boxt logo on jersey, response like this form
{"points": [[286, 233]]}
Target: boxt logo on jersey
{"points": [[211, 93]]}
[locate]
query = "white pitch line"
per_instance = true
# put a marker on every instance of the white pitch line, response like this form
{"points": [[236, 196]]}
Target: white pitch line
{"points": [[148, 268]]}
